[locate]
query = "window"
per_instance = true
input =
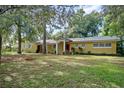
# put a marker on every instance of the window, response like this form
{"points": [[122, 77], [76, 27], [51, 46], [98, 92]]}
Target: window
{"points": [[95, 45], [108, 45], [102, 45]]}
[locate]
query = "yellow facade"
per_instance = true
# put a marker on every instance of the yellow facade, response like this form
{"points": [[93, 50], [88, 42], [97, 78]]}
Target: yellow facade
{"points": [[51, 48], [60, 48], [96, 50], [88, 48], [31, 49]]}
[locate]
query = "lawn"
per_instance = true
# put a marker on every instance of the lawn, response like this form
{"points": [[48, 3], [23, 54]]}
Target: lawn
{"points": [[37, 70]]}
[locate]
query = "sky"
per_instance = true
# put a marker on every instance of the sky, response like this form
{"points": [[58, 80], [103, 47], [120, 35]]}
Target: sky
{"points": [[89, 8]]}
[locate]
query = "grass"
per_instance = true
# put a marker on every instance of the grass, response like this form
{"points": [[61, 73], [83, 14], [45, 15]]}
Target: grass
{"points": [[37, 70]]}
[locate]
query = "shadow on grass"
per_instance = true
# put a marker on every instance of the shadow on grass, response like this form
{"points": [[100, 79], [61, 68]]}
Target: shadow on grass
{"points": [[61, 71]]}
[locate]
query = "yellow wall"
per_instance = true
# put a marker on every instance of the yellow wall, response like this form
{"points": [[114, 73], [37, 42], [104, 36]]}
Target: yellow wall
{"points": [[51, 49], [60, 48], [32, 49], [89, 47]]}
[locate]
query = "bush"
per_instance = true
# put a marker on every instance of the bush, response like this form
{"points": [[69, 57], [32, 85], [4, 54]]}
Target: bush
{"points": [[89, 52], [73, 50], [81, 50], [120, 48]]}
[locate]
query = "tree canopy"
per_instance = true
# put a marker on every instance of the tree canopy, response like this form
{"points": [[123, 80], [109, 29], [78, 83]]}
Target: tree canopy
{"points": [[31, 23], [83, 25]]}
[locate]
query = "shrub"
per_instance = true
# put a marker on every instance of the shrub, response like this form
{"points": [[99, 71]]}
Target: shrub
{"points": [[81, 50], [89, 52], [73, 50]]}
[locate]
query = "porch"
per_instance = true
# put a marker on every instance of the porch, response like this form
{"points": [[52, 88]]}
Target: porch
{"points": [[55, 47]]}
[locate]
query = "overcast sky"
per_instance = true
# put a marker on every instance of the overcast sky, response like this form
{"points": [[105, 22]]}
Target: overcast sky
{"points": [[89, 8]]}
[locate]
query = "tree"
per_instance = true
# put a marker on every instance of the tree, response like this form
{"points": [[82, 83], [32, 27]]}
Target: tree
{"points": [[0, 45], [85, 25], [59, 35], [115, 22], [52, 16], [4, 10], [43, 16], [113, 17], [21, 19], [5, 24]]}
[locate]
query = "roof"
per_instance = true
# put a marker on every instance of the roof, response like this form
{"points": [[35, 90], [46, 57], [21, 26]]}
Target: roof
{"points": [[50, 41], [93, 39], [85, 39]]}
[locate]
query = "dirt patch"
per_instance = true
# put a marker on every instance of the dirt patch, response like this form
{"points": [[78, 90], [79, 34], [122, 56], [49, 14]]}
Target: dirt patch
{"points": [[16, 58], [117, 61], [121, 64]]}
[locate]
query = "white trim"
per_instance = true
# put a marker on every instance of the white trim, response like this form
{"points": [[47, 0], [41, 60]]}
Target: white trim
{"points": [[102, 47]]}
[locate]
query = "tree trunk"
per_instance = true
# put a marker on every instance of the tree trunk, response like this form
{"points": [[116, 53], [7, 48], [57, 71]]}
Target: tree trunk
{"points": [[19, 40], [0, 47], [44, 38], [121, 44]]}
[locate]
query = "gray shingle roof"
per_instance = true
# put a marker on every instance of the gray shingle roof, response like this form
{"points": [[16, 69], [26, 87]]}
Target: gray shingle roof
{"points": [[50, 41], [85, 39], [99, 38]]}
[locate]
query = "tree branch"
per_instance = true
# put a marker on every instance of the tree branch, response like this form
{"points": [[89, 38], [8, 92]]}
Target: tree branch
{"points": [[2, 11]]}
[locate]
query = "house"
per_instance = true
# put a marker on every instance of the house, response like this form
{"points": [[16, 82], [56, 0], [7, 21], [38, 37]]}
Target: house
{"points": [[51, 46], [37, 47], [93, 45]]}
